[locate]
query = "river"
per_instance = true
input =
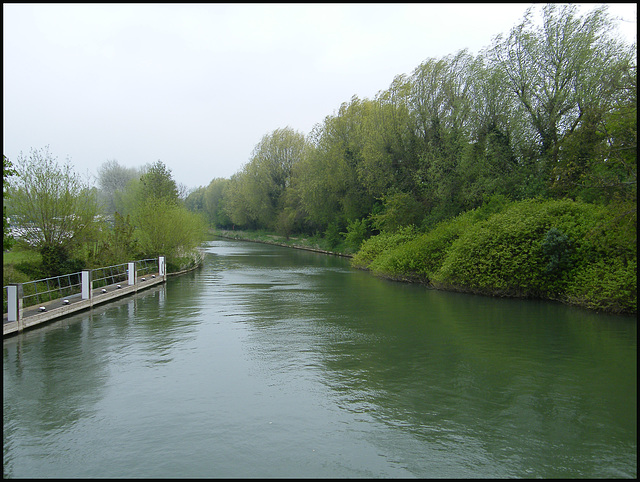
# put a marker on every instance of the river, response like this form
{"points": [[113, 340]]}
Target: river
{"points": [[273, 362]]}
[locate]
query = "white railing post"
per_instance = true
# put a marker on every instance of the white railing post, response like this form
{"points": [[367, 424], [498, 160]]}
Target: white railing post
{"points": [[132, 273], [87, 284], [161, 267], [14, 302]]}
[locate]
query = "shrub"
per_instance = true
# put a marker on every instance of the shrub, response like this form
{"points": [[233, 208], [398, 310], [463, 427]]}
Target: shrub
{"points": [[419, 257], [523, 251], [356, 234], [373, 247], [332, 235], [606, 285], [557, 249]]}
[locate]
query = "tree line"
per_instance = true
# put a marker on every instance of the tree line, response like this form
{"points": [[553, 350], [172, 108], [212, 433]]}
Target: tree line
{"points": [[547, 110], [73, 225], [512, 172]]}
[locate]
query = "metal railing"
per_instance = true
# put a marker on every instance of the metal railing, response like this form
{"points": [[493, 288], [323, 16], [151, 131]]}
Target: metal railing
{"points": [[48, 289], [109, 275], [145, 267], [70, 285]]}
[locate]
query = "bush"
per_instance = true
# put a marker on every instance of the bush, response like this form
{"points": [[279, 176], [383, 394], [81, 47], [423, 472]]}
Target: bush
{"points": [[332, 235], [606, 285], [523, 251], [56, 261], [556, 249], [10, 274], [164, 228], [356, 234], [373, 247], [420, 256]]}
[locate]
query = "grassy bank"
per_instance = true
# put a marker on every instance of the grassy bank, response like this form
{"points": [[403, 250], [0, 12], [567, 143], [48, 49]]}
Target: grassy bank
{"points": [[19, 265]]}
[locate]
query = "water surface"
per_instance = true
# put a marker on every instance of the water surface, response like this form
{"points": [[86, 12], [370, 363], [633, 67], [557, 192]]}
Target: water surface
{"points": [[275, 362]]}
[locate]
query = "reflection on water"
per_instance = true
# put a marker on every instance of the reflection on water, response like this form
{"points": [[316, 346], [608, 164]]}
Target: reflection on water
{"points": [[272, 362]]}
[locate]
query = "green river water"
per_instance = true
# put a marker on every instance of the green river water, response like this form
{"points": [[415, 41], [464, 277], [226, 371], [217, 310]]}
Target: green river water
{"points": [[276, 362]]}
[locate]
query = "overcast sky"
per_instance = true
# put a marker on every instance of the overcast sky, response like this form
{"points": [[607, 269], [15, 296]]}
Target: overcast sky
{"points": [[198, 85]]}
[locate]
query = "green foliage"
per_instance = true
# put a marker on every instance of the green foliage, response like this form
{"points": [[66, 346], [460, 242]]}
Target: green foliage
{"points": [[420, 256], [399, 209], [557, 248], [332, 235], [119, 244], [504, 254], [357, 231], [56, 261], [11, 274], [547, 110], [537, 248], [608, 285], [373, 247], [560, 249], [7, 172], [30, 269], [165, 228], [157, 183], [454, 164], [51, 203], [112, 181], [255, 197]]}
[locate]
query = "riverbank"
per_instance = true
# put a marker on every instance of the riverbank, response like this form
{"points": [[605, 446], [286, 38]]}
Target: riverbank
{"points": [[306, 244], [559, 250]]}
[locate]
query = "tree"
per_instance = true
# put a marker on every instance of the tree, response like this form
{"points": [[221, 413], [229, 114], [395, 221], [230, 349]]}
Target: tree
{"points": [[598, 161], [331, 183], [113, 179], [257, 196], [7, 172], [167, 228], [119, 243], [214, 203], [157, 183], [399, 209], [194, 201], [390, 154], [52, 206], [560, 70]]}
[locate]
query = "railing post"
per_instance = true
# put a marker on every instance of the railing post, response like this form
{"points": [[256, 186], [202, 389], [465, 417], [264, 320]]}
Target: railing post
{"points": [[87, 284], [161, 267], [132, 273], [14, 303]]}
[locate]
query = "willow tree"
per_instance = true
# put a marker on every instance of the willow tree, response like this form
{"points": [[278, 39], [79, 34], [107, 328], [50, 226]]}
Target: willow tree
{"points": [[52, 207], [214, 203], [167, 228], [332, 183], [441, 104], [257, 197], [391, 151], [561, 71]]}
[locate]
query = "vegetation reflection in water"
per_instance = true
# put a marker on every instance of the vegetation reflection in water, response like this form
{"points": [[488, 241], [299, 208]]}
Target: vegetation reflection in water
{"points": [[271, 362]]}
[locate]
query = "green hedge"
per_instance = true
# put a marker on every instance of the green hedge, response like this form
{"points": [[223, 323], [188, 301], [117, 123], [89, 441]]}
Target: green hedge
{"points": [[420, 256]]}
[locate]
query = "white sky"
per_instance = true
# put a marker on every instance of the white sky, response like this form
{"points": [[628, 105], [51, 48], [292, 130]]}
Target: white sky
{"points": [[198, 85]]}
